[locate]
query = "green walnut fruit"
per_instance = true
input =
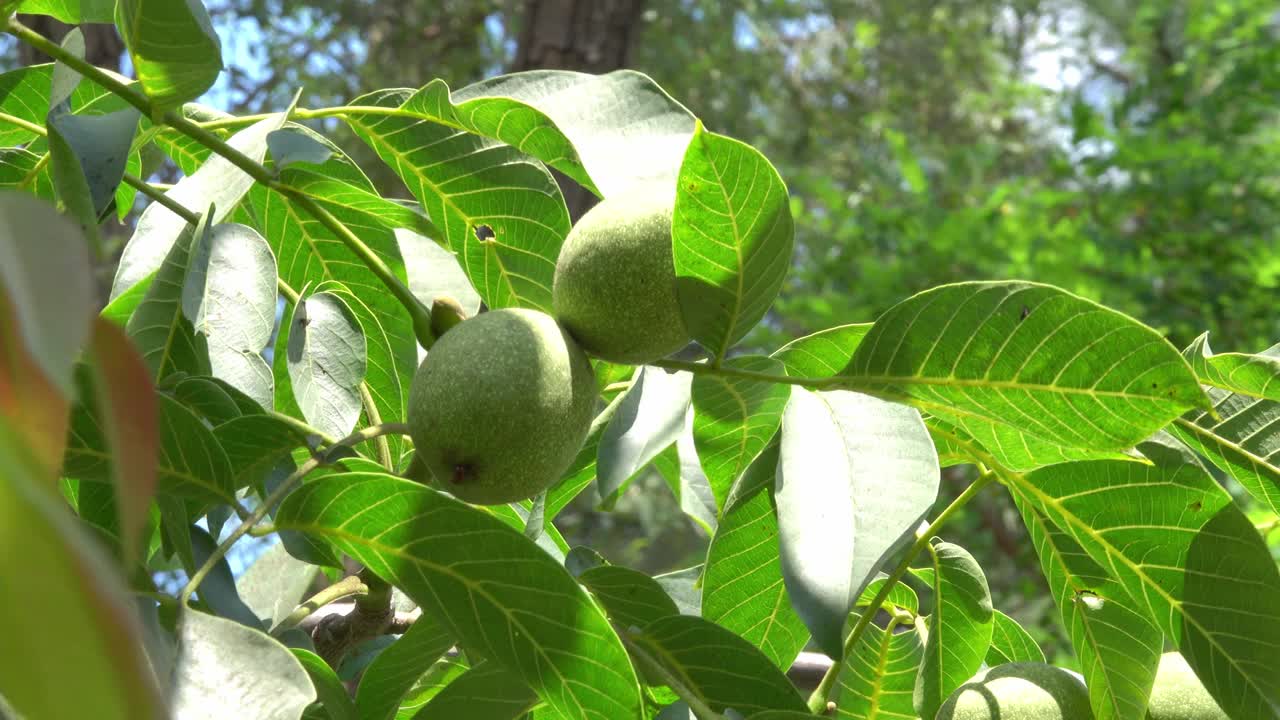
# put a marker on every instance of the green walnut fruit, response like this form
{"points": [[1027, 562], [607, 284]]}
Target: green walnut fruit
{"points": [[1178, 694], [1019, 691], [614, 287], [500, 406]]}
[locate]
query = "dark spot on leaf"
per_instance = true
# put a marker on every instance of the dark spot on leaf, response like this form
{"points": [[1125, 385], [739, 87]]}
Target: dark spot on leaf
{"points": [[484, 233], [692, 187], [1195, 506], [462, 473], [1025, 312]]}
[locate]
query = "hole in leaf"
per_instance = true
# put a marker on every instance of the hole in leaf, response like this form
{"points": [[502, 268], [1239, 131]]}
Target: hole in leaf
{"points": [[484, 233]]}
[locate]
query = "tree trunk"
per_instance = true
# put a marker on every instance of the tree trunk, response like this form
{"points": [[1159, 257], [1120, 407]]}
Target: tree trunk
{"points": [[592, 36], [103, 46]]}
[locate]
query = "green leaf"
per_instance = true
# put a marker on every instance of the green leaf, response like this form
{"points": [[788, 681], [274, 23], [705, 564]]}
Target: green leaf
{"points": [[395, 671], [485, 692], [255, 445], [1118, 647], [743, 589], [840, 450], [61, 613], [1010, 643], [213, 399], [329, 689], [650, 418], [72, 12], [609, 132], [878, 676], [174, 49], [710, 663], [500, 211], [229, 297], [824, 353], [216, 183], [289, 146], [1191, 560], [435, 680], [1255, 375], [327, 361], [44, 271], [900, 595], [90, 152], [960, 627], [1034, 357], [310, 255], [275, 584], [434, 272], [629, 597], [159, 328], [732, 233], [23, 170], [733, 419], [191, 463], [1012, 448], [1243, 441], [25, 94], [685, 588], [228, 670], [535, 621]]}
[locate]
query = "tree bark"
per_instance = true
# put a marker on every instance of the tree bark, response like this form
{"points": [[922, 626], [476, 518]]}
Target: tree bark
{"points": [[593, 36], [103, 46]]}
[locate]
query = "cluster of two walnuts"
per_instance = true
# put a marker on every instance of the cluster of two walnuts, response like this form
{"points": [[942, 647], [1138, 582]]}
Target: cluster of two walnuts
{"points": [[504, 400]]}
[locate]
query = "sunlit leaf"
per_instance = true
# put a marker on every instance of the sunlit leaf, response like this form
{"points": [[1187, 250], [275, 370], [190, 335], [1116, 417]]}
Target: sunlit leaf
{"points": [[1243, 440], [228, 670], [651, 417], [497, 591], [960, 627], [824, 353], [72, 12], [174, 48], [500, 211], [840, 450], [158, 327], [732, 233], [327, 359], [216, 183], [609, 132], [487, 691], [733, 420], [1191, 560], [1034, 357], [878, 675], [1117, 645], [743, 588], [1010, 643], [1256, 375]]}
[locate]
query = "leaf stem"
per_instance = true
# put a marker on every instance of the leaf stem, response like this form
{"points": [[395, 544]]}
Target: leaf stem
{"points": [[24, 124], [420, 313], [346, 587], [818, 700], [276, 496]]}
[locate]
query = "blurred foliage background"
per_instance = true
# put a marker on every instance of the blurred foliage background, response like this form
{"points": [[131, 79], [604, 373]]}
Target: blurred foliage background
{"points": [[1127, 150]]}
